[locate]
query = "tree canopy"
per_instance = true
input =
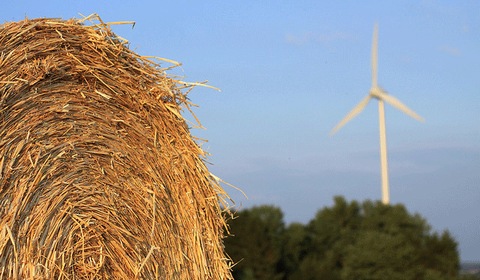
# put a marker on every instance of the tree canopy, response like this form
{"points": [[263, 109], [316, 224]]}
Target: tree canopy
{"points": [[349, 240]]}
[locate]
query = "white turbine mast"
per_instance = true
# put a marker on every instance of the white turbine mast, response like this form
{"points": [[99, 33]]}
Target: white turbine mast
{"points": [[381, 95]]}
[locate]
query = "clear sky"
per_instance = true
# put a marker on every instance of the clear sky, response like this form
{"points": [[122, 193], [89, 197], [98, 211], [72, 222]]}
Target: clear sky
{"points": [[290, 70]]}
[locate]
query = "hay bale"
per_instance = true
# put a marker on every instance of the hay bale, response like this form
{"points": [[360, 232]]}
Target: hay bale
{"points": [[99, 175]]}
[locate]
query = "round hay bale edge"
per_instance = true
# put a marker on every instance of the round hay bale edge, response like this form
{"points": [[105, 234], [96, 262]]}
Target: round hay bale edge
{"points": [[100, 177]]}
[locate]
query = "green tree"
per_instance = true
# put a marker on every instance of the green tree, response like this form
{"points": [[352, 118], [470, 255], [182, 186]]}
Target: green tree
{"points": [[328, 236], [293, 248], [468, 277], [440, 256], [346, 241], [374, 241], [434, 257], [394, 220], [377, 255], [256, 243]]}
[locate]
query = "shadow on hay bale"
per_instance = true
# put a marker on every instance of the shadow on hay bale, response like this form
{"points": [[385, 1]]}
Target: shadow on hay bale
{"points": [[99, 175]]}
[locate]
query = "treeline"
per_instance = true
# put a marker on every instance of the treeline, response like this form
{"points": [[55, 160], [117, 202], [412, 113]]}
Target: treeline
{"points": [[346, 241]]}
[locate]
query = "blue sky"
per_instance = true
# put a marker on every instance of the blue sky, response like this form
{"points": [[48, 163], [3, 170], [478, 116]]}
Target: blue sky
{"points": [[290, 71]]}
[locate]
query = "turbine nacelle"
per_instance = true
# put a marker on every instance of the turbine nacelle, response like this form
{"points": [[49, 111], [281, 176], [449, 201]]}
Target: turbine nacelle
{"points": [[377, 92]]}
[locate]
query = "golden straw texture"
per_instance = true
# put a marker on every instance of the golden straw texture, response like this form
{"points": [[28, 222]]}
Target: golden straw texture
{"points": [[100, 177]]}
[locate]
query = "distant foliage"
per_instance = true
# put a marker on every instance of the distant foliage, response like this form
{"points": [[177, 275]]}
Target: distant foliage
{"points": [[346, 241], [257, 244]]}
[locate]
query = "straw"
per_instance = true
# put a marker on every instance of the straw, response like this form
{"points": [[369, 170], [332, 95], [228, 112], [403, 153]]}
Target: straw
{"points": [[100, 177]]}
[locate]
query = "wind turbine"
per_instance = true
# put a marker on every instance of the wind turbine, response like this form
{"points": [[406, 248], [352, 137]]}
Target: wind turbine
{"points": [[382, 96]]}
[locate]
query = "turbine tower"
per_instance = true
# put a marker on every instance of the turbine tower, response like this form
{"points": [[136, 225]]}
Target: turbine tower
{"points": [[382, 96]]}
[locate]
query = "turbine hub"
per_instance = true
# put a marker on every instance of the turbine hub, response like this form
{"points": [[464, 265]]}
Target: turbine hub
{"points": [[377, 92]]}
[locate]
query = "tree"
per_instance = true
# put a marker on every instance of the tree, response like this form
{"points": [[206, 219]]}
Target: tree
{"points": [[475, 276], [346, 241], [293, 248], [377, 255], [374, 241], [440, 256], [328, 236], [394, 220], [433, 257], [256, 243]]}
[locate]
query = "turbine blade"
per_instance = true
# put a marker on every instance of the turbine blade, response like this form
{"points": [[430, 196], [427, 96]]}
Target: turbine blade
{"points": [[352, 114], [374, 55], [400, 106]]}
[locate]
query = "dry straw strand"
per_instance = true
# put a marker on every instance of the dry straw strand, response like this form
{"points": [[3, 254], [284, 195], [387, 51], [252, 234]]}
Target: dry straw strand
{"points": [[100, 177]]}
